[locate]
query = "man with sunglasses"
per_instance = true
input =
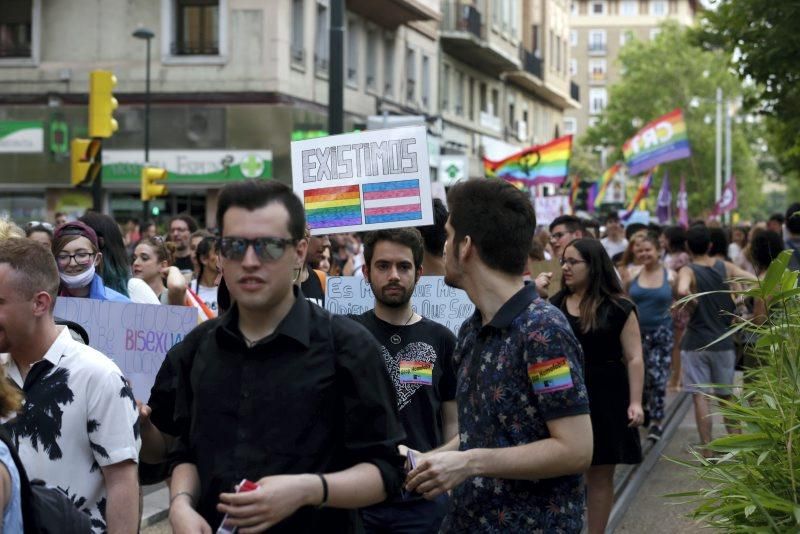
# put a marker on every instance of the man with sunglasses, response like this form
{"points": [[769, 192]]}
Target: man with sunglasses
{"points": [[276, 390]]}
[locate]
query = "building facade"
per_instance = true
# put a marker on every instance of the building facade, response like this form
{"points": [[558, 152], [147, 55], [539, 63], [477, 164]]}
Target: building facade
{"points": [[598, 30]]}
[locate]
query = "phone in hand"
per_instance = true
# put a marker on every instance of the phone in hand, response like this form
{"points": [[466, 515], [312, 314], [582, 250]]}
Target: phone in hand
{"points": [[243, 486], [412, 464]]}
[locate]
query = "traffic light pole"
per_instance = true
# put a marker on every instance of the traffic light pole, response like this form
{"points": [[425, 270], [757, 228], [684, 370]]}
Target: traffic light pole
{"points": [[146, 203], [97, 183]]}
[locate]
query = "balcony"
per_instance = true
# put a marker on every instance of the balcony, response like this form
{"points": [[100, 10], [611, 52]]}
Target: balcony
{"points": [[393, 13], [491, 122], [597, 49], [463, 36], [575, 91]]}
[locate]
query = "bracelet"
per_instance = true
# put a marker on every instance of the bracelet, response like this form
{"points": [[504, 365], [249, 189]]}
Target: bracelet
{"points": [[191, 498], [324, 491]]}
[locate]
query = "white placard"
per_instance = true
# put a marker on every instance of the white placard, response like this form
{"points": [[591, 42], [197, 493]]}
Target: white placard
{"points": [[548, 208], [135, 336], [364, 181], [432, 298]]}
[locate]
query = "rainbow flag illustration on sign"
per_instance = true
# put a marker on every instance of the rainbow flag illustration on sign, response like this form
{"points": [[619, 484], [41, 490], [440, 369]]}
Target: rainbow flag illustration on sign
{"points": [[660, 141], [541, 164], [364, 181]]}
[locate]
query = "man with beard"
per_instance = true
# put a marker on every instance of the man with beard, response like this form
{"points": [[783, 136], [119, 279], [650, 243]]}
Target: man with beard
{"points": [[525, 437], [181, 227], [418, 355]]}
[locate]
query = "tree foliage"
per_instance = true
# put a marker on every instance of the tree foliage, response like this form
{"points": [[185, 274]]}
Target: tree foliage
{"points": [[671, 72]]}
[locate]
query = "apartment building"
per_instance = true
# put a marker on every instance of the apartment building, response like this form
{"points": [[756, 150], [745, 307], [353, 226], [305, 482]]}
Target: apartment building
{"points": [[598, 30]]}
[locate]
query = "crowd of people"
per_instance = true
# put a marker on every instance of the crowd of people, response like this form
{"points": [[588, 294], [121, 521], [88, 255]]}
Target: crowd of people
{"points": [[385, 421]]}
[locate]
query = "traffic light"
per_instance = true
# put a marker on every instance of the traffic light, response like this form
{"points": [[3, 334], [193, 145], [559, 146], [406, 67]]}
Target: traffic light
{"points": [[102, 104], [83, 167], [150, 188]]}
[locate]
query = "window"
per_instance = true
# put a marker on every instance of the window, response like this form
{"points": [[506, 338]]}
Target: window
{"points": [[573, 37], [511, 113], [372, 59], [445, 96], [597, 70], [537, 46], [16, 29], [597, 100], [625, 37], [558, 53], [658, 8], [352, 53], [197, 28], [297, 46], [471, 99], [495, 103], [411, 74], [570, 126], [564, 56], [460, 93], [597, 40], [654, 33], [573, 9], [388, 66], [598, 8], [426, 81], [322, 38], [573, 67], [552, 50], [629, 8], [482, 96]]}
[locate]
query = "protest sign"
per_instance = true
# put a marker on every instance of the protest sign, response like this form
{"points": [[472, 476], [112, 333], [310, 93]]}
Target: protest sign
{"points": [[364, 181], [135, 336], [432, 299], [548, 208]]}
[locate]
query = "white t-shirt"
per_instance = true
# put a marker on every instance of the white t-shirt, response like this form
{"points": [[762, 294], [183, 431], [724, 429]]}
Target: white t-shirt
{"points": [[141, 293], [614, 247], [79, 415], [209, 296]]}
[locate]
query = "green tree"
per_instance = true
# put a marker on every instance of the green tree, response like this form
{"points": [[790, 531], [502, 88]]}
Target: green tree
{"points": [[671, 72]]}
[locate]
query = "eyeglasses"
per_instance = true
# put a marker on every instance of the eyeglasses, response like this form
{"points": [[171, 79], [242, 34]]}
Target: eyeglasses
{"points": [[558, 235], [81, 258], [572, 262], [44, 224], [266, 248]]}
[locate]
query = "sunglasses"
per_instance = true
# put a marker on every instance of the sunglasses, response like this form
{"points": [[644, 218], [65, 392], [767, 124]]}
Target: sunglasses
{"points": [[44, 224], [266, 248]]}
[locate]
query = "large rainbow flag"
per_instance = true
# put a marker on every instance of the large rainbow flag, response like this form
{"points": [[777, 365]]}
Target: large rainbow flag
{"points": [[604, 182], [541, 164], [661, 140]]}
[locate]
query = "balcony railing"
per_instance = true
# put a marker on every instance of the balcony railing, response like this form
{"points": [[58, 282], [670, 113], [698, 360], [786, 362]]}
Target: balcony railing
{"points": [[461, 17], [531, 63], [575, 91], [195, 49], [15, 50], [597, 48]]}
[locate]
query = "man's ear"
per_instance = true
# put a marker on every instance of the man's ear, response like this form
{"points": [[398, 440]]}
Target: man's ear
{"points": [[42, 302], [365, 271], [302, 248], [465, 249]]}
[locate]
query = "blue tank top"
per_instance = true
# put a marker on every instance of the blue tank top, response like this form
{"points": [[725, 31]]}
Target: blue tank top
{"points": [[12, 517], [653, 303]]}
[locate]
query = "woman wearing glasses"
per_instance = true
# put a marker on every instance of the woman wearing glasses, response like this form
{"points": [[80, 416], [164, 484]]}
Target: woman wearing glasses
{"points": [[152, 259], [77, 256], [605, 323]]}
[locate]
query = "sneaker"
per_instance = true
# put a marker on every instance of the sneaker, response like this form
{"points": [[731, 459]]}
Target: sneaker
{"points": [[655, 433]]}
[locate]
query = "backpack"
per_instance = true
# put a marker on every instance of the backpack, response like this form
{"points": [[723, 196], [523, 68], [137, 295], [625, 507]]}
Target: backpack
{"points": [[45, 510]]}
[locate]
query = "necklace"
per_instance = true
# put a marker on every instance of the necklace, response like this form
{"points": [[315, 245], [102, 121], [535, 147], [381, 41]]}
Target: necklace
{"points": [[396, 339]]}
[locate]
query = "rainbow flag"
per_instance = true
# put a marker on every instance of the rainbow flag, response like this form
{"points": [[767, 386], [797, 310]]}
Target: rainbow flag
{"points": [[551, 375], [414, 372], [329, 207], [604, 182], [541, 164], [392, 201], [641, 193], [573, 192], [661, 140]]}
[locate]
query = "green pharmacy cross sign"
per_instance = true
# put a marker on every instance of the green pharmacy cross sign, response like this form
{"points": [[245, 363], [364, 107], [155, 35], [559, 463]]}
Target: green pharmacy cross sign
{"points": [[189, 166]]}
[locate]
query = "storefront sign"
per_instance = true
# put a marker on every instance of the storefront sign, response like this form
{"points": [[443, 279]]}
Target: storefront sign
{"points": [[453, 168], [17, 137], [189, 166]]}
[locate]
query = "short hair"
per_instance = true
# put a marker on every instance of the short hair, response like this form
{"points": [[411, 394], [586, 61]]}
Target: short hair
{"points": [[185, 217], [719, 242], [698, 239], [676, 238], [778, 217], [144, 225], [34, 265], [499, 219], [612, 216], [407, 237], [572, 223], [765, 247], [31, 228], [793, 218], [632, 228], [434, 235], [254, 194]]}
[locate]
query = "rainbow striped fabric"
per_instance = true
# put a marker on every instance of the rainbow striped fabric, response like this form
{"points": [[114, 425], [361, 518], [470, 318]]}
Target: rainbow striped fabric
{"points": [[604, 182], [542, 164], [413, 372], [551, 375], [664, 139], [392, 201], [641, 194], [329, 207]]}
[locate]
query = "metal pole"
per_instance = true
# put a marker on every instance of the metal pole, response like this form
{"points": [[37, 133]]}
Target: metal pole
{"points": [[728, 155], [336, 69], [97, 184], [146, 203], [718, 157]]}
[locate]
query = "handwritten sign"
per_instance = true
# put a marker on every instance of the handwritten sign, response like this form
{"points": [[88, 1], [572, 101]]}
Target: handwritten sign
{"points": [[549, 208], [364, 181], [432, 299], [135, 336]]}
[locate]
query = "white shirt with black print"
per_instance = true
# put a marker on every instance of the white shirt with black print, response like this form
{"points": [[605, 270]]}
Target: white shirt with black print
{"points": [[79, 415]]}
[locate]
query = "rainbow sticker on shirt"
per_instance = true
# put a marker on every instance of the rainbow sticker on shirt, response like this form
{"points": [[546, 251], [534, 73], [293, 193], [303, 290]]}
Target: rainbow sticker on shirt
{"points": [[412, 372], [549, 376]]}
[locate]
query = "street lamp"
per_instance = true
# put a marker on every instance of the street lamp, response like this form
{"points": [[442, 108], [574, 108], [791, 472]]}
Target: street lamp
{"points": [[147, 35]]}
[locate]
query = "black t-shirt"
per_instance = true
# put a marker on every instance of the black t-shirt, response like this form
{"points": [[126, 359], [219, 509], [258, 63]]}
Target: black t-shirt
{"points": [[312, 288], [419, 358], [184, 263]]}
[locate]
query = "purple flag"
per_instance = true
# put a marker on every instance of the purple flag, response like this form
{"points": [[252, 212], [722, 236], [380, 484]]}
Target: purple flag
{"points": [[729, 200], [591, 197], [664, 201], [683, 204]]}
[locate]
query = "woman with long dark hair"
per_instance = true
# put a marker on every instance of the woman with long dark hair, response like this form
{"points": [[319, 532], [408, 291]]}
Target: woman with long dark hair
{"points": [[605, 323], [206, 283]]}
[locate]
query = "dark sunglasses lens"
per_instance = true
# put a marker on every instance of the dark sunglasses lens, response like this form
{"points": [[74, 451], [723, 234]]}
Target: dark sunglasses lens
{"points": [[269, 249], [233, 249]]}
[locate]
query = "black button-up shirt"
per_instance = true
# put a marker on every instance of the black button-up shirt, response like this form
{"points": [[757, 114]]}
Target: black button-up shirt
{"points": [[313, 397]]}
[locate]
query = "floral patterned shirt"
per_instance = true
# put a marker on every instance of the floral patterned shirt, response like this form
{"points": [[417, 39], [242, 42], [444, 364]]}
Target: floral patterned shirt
{"points": [[515, 374]]}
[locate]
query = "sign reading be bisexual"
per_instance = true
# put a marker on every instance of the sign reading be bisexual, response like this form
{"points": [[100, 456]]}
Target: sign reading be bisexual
{"points": [[432, 299], [135, 336], [364, 181]]}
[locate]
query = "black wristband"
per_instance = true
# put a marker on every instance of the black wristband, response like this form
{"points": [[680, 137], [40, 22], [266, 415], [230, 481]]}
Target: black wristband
{"points": [[324, 491]]}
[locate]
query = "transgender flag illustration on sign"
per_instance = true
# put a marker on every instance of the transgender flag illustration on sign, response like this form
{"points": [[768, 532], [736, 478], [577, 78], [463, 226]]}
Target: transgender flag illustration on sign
{"points": [[392, 201]]}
